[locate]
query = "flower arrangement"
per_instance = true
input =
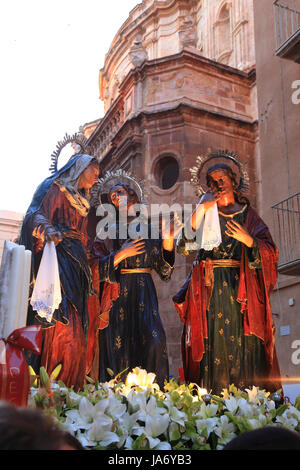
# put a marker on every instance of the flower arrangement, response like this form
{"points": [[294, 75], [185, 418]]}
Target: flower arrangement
{"points": [[137, 415]]}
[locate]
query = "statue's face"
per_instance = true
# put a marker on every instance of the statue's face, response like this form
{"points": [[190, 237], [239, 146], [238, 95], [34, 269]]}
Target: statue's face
{"points": [[119, 196], [221, 182], [89, 177]]}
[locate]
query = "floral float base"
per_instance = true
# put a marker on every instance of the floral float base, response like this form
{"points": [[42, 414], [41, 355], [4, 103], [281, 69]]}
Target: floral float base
{"points": [[137, 415]]}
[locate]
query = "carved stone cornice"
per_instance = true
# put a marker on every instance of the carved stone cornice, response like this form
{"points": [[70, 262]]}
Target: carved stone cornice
{"points": [[222, 91]]}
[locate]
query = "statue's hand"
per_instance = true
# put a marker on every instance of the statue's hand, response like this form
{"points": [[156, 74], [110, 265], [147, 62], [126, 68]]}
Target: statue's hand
{"points": [[53, 235], [133, 248], [209, 199], [240, 233]]}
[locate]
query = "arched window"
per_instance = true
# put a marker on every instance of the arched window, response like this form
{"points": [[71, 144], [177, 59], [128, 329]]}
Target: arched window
{"points": [[223, 40], [166, 172]]}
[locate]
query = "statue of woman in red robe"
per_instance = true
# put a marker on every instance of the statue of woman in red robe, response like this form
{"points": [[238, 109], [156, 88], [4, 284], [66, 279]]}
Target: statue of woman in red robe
{"points": [[58, 212], [228, 335]]}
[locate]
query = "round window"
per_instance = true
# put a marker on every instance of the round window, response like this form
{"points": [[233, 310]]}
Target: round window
{"points": [[166, 172]]}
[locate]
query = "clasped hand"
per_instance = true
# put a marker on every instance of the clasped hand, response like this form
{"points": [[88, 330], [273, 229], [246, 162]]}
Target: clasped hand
{"points": [[47, 233], [130, 248], [53, 235], [240, 233]]}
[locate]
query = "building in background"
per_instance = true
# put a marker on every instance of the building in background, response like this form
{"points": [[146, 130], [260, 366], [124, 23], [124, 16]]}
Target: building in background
{"points": [[10, 224], [277, 50], [185, 76]]}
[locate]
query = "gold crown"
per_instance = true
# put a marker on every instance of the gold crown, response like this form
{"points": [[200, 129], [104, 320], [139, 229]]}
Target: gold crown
{"points": [[110, 179], [231, 158]]}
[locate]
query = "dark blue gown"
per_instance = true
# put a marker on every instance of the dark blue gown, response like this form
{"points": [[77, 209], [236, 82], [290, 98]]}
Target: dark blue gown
{"points": [[135, 336]]}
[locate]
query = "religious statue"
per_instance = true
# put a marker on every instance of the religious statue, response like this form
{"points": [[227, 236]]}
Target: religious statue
{"points": [[131, 332], [58, 212], [228, 336]]}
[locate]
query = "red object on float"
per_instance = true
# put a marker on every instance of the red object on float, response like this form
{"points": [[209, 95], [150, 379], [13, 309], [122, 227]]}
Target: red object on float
{"points": [[14, 372], [181, 374]]}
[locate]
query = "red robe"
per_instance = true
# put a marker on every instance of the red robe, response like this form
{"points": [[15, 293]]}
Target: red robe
{"points": [[255, 287], [64, 341]]}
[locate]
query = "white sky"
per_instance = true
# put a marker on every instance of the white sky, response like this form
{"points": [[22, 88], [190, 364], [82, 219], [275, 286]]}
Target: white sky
{"points": [[51, 54]]}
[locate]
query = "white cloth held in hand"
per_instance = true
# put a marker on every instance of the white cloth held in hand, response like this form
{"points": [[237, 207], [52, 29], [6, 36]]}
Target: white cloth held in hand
{"points": [[211, 236], [46, 295], [208, 235]]}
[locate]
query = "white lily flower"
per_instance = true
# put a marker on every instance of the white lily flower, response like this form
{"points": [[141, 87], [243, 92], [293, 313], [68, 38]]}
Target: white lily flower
{"points": [[126, 390], [146, 407], [163, 446], [293, 411], [259, 422], [239, 405], [69, 426], [153, 442], [75, 421], [177, 416], [125, 424], [246, 409], [207, 425], [287, 422], [107, 385], [115, 407], [174, 431], [207, 411], [84, 440], [100, 431], [141, 378], [231, 404], [252, 394], [225, 430], [74, 398], [154, 427], [86, 409], [101, 406], [128, 443], [84, 416], [290, 418], [137, 400]]}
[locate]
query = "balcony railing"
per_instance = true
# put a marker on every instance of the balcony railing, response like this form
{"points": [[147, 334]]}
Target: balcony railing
{"points": [[287, 29], [286, 216]]}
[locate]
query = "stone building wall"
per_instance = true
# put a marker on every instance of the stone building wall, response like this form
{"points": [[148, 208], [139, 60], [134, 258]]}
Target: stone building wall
{"points": [[10, 223], [279, 175]]}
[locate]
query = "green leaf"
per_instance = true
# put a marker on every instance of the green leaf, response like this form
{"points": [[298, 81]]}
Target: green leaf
{"points": [[44, 377], [61, 384], [175, 396], [190, 430], [218, 400], [297, 402], [233, 389], [141, 443], [110, 372], [175, 435], [89, 380], [281, 409], [120, 373], [213, 438]]}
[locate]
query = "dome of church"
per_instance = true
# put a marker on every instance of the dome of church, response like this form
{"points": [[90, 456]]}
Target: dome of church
{"points": [[161, 28]]}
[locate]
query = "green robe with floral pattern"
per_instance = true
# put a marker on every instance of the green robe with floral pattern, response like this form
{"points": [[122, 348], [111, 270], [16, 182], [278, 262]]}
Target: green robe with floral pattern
{"points": [[230, 357]]}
